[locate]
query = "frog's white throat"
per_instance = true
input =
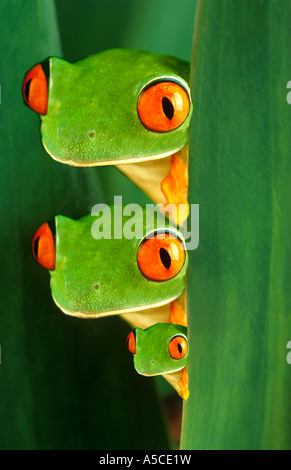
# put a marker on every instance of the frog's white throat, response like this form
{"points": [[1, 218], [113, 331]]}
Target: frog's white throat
{"points": [[148, 173], [147, 176]]}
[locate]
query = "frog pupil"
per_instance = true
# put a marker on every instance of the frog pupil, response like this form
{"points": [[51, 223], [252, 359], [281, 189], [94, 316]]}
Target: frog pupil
{"points": [[165, 258], [179, 348], [36, 246], [168, 108], [26, 89]]}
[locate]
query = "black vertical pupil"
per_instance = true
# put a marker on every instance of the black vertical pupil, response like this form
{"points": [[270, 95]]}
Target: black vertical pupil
{"points": [[26, 89], [168, 108], [179, 348], [165, 258], [35, 247]]}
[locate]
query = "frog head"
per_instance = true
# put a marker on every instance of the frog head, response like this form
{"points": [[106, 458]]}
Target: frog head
{"points": [[159, 349], [162, 349], [127, 108], [92, 277]]}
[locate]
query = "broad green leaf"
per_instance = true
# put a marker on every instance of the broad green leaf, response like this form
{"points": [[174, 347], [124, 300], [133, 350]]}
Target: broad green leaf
{"points": [[239, 277]]}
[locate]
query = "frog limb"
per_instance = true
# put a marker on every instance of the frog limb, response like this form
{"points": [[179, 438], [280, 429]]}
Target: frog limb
{"points": [[183, 384], [178, 312]]}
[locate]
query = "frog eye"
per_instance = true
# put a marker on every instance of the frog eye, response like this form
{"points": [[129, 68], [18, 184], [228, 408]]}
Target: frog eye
{"points": [[161, 257], [163, 106], [35, 88], [130, 343], [43, 247], [178, 347]]}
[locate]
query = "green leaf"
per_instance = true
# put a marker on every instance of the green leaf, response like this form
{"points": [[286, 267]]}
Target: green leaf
{"points": [[65, 383], [239, 277]]}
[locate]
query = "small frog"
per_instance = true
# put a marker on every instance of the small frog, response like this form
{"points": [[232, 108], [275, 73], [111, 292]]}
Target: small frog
{"points": [[162, 349], [127, 108], [140, 277]]}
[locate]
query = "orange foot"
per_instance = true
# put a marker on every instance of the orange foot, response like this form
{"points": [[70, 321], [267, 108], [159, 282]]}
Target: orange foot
{"points": [[178, 312], [175, 187], [183, 384]]}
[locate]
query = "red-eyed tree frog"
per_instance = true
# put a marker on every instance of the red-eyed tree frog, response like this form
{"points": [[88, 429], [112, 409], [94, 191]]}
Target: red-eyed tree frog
{"points": [[127, 108], [161, 349], [138, 276]]}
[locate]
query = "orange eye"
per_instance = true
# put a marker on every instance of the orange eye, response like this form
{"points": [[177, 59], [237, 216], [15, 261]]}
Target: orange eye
{"points": [[159, 258], [163, 106], [35, 89], [43, 247], [130, 343], [178, 347]]}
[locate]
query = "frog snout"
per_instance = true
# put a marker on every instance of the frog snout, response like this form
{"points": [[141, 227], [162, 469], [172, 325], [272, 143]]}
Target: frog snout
{"points": [[35, 88], [43, 246]]}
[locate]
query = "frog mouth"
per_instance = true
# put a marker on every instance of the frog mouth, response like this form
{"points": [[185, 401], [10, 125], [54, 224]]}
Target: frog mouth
{"points": [[171, 310], [141, 317]]}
